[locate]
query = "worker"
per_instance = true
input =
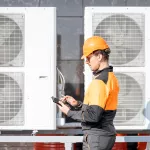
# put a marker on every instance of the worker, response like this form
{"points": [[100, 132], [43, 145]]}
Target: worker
{"points": [[98, 109]]}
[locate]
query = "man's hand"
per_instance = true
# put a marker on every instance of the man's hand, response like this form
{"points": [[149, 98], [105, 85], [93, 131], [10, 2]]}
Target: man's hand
{"points": [[70, 100], [63, 107]]}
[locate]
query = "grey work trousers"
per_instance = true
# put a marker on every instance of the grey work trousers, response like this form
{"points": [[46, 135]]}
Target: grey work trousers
{"points": [[98, 142]]}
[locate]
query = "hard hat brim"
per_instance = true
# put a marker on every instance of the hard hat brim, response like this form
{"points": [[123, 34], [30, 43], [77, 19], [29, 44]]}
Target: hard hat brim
{"points": [[86, 54]]}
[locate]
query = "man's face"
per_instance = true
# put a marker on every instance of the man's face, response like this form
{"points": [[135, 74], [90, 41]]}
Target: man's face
{"points": [[93, 61]]}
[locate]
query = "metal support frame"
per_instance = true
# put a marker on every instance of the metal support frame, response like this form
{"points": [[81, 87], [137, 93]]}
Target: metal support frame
{"points": [[68, 140]]}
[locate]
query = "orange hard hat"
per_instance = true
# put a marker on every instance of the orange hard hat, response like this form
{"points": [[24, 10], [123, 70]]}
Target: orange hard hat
{"points": [[93, 43]]}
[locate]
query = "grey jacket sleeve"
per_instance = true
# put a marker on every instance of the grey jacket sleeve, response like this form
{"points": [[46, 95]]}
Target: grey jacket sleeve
{"points": [[77, 115], [92, 113]]}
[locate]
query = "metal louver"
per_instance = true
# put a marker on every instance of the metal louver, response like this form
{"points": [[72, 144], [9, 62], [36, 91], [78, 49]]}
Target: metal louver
{"points": [[131, 99], [11, 40], [124, 32], [11, 83], [11, 99]]}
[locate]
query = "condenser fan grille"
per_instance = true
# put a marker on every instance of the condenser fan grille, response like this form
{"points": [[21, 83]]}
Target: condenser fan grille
{"points": [[11, 99], [125, 35], [131, 99], [11, 40]]}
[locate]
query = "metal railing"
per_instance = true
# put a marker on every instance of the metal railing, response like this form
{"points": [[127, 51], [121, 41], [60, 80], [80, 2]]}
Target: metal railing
{"points": [[67, 140]]}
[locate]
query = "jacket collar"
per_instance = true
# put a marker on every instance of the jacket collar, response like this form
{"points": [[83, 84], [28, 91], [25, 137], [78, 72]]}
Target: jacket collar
{"points": [[108, 69]]}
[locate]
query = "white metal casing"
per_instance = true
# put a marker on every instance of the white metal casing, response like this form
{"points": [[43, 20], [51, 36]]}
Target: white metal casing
{"points": [[129, 69], [39, 69]]}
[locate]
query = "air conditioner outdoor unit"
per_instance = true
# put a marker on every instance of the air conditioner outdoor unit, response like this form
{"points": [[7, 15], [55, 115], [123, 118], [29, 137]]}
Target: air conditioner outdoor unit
{"points": [[126, 30], [27, 68]]}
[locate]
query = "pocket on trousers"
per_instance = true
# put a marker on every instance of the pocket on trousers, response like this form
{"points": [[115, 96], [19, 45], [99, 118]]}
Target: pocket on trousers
{"points": [[93, 141], [106, 142], [101, 142]]}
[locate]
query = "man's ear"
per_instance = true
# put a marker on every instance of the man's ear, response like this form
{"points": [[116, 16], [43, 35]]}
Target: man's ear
{"points": [[100, 57]]}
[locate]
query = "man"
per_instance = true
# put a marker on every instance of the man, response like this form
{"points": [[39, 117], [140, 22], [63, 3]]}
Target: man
{"points": [[100, 102]]}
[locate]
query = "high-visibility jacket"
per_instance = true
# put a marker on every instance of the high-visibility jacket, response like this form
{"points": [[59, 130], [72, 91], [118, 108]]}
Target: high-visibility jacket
{"points": [[100, 104]]}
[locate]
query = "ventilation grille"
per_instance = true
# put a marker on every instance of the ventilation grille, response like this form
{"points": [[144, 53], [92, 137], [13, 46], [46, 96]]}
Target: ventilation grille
{"points": [[11, 40], [11, 99], [125, 35], [131, 99]]}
